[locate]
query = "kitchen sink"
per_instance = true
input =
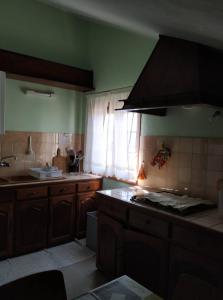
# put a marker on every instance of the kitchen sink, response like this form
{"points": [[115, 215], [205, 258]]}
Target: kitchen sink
{"points": [[21, 178], [3, 180], [17, 179]]}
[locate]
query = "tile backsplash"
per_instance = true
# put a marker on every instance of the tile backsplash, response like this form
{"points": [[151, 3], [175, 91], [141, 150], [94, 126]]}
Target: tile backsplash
{"points": [[195, 166], [44, 146]]}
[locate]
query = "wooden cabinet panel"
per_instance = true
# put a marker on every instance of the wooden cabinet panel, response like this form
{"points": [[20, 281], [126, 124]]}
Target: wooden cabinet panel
{"points": [[6, 225], [199, 266], [34, 69], [61, 227], [198, 241], [62, 189], [85, 202], [32, 193], [147, 223], [110, 246], [88, 186], [112, 207], [31, 225], [7, 195], [146, 260]]}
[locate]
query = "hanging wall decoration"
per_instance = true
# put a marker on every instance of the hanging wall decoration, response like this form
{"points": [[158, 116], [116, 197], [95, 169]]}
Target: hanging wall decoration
{"points": [[161, 157]]}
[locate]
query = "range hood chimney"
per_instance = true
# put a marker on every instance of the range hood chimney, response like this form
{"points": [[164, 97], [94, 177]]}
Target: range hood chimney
{"points": [[178, 73]]}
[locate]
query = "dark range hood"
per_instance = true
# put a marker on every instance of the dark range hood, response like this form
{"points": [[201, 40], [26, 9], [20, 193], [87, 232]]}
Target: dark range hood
{"points": [[178, 73]]}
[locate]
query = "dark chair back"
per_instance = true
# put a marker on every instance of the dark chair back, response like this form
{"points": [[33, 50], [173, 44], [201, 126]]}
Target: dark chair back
{"points": [[40, 286], [192, 288]]}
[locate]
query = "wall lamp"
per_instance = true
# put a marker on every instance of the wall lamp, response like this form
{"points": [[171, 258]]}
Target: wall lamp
{"points": [[30, 92]]}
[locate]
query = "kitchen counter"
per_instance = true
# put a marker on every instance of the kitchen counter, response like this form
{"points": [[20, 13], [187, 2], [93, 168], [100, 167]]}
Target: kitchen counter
{"points": [[6, 182], [154, 246], [209, 218]]}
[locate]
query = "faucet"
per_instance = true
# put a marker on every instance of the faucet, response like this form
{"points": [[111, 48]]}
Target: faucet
{"points": [[3, 163]]}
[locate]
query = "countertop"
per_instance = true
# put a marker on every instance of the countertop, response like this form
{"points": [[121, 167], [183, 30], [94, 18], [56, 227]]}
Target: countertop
{"points": [[67, 177], [210, 218]]}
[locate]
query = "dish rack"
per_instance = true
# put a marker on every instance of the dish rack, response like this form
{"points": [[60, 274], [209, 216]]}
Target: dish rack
{"points": [[45, 173]]}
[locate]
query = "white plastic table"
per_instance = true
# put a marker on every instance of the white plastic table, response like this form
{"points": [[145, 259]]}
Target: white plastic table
{"points": [[122, 288]]}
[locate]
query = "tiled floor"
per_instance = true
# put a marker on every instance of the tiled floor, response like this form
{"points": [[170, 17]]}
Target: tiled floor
{"points": [[76, 261]]}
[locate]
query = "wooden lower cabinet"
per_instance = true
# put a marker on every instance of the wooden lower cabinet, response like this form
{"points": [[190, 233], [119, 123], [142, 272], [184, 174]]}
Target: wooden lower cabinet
{"points": [[110, 246], [85, 202], [31, 225], [6, 226], [205, 268], [146, 260], [61, 222]]}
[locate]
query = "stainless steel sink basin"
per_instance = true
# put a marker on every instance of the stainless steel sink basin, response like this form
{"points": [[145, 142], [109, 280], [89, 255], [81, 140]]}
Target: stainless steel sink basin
{"points": [[21, 178], [17, 179], [3, 181]]}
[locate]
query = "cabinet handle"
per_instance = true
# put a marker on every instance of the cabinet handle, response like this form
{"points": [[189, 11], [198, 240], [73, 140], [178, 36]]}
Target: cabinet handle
{"points": [[37, 209]]}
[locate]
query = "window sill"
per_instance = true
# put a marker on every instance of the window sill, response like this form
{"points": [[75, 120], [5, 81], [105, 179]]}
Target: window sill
{"points": [[131, 182]]}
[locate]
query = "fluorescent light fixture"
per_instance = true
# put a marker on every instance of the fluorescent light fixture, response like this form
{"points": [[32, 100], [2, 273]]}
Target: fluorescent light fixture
{"points": [[49, 94]]}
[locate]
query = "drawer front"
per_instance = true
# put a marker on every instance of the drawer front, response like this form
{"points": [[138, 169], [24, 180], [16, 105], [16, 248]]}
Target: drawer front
{"points": [[32, 193], [199, 241], [113, 208], [62, 189], [148, 224], [88, 186]]}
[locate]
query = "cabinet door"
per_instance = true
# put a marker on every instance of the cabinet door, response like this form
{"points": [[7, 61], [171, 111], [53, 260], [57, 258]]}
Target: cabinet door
{"points": [[61, 228], [31, 225], [85, 202], [110, 246], [199, 266], [6, 219], [146, 260]]}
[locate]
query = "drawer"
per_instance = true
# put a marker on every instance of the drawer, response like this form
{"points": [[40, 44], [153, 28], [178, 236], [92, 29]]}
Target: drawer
{"points": [[148, 224], [88, 186], [62, 189], [114, 208], [198, 240], [85, 196], [32, 193]]}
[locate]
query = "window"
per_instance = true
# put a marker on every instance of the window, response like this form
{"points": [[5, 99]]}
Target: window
{"points": [[112, 137]]}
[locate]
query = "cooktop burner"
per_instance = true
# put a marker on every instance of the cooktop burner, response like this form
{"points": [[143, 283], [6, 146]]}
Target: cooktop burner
{"points": [[182, 205]]}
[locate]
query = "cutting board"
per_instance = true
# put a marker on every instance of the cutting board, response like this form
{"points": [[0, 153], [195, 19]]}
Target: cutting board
{"points": [[59, 161]]}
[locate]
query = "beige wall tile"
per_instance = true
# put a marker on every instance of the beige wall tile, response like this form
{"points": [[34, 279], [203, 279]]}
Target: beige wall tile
{"points": [[185, 145], [214, 162], [215, 146], [185, 160], [44, 145], [200, 146], [199, 161]]}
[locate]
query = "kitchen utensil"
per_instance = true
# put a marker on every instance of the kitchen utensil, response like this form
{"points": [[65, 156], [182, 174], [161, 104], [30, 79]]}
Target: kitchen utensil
{"points": [[30, 154], [59, 161]]}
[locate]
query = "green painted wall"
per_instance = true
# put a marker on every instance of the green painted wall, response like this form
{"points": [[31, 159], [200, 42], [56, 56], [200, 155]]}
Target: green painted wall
{"points": [[64, 113], [117, 56], [195, 122], [36, 29], [33, 28]]}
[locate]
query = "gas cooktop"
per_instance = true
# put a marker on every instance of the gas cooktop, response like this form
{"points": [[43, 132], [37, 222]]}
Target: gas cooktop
{"points": [[182, 205]]}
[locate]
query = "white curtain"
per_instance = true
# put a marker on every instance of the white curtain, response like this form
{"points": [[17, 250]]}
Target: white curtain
{"points": [[112, 137]]}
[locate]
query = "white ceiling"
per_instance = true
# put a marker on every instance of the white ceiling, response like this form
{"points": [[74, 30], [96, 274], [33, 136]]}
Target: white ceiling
{"points": [[198, 20]]}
